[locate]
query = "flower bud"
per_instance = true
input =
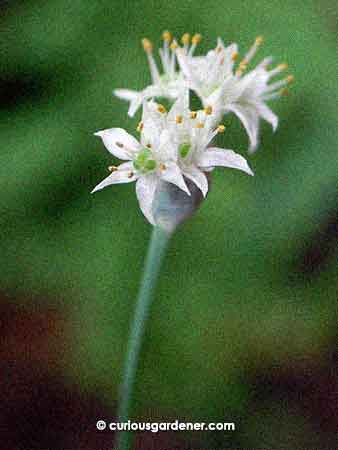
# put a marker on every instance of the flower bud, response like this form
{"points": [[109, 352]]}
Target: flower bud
{"points": [[172, 206]]}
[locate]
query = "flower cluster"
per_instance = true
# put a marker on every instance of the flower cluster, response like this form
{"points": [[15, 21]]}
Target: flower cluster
{"points": [[176, 145]]}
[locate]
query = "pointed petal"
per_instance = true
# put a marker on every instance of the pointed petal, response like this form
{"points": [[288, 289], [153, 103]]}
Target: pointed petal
{"points": [[122, 175], [250, 119], [173, 175], [119, 143], [265, 112], [180, 107], [197, 176], [126, 94], [215, 156], [145, 191]]}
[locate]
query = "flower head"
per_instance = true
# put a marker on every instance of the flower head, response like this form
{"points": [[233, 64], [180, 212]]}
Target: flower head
{"points": [[167, 84], [216, 81]]}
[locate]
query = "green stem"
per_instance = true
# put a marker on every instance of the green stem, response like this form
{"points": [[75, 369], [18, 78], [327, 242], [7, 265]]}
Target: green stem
{"points": [[156, 251]]}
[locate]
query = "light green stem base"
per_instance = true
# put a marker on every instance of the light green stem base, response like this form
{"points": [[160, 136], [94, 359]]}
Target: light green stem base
{"points": [[156, 251]]}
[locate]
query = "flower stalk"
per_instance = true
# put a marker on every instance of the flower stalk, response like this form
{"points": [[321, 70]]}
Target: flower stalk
{"points": [[157, 247]]}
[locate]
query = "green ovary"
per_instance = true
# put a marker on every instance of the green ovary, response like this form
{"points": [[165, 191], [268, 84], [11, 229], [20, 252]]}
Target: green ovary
{"points": [[184, 149], [144, 162]]}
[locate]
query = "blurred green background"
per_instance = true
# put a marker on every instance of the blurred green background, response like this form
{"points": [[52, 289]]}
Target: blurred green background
{"points": [[243, 325]]}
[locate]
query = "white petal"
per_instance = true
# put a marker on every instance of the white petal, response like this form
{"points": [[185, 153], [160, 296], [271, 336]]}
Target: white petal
{"points": [[145, 191], [214, 156], [180, 107], [250, 119], [173, 175], [122, 175], [197, 176], [147, 93], [119, 143], [265, 112], [126, 94]]}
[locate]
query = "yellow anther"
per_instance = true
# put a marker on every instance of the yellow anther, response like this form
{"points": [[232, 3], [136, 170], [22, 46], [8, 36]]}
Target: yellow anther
{"points": [[185, 39], [178, 119], [208, 110], [162, 166], [221, 128], [147, 45], [193, 114], [130, 174], [112, 168], [200, 125], [140, 127], [166, 35], [259, 40], [234, 56], [196, 39], [290, 79], [218, 49], [161, 109], [119, 144], [283, 66], [148, 145], [174, 45], [284, 91]]}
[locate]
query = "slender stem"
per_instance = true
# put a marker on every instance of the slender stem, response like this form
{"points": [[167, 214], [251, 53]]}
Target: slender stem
{"points": [[156, 251]]}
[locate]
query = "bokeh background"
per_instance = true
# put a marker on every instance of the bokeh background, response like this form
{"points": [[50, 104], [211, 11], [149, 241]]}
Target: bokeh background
{"points": [[243, 327]]}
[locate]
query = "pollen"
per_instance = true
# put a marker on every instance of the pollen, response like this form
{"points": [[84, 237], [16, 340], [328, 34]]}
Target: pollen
{"points": [[234, 56], [283, 92], [208, 110], [112, 168], [221, 128], [283, 66], [174, 45], [162, 166], [200, 125], [119, 144], [259, 40], [185, 39], [130, 174], [193, 114], [140, 127], [178, 119], [290, 79], [161, 109], [147, 45], [196, 39], [166, 36]]}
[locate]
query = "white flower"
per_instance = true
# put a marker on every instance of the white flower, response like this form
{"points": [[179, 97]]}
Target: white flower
{"points": [[152, 159], [192, 132], [168, 84], [213, 79]]}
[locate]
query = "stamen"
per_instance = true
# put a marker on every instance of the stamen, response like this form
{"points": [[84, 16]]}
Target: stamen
{"points": [[208, 110], [178, 119], [162, 166], [167, 36], [193, 114], [130, 174], [284, 91], [259, 40], [119, 144], [234, 56], [290, 79], [251, 53], [147, 45], [174, 45], [282, 66], [185, 39], [140, 127], [112, 168], [196, 39], [148, 145], [220, 128], [200, 125], [161, 109], [218, 49]]}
